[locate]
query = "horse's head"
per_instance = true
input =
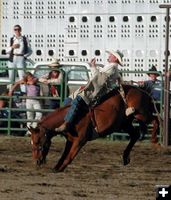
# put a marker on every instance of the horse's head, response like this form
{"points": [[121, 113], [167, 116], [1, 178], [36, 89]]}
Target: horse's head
{"points": [[40, 144]]}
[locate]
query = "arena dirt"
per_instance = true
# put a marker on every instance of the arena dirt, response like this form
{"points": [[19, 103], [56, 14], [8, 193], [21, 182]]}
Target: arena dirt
{"points": [[96, 173]]}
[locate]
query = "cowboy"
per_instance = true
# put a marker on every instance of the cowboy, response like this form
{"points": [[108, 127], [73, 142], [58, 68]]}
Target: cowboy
{"points": [[154, 84], [155, 87], [108, 74]]}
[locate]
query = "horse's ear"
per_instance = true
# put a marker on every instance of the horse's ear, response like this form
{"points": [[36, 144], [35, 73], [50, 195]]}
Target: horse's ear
{"points": [[33, 130], [29, 128]]}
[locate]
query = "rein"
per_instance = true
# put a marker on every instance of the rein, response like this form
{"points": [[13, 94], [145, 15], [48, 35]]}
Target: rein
{"points": [[41, 146], [92, 117]]}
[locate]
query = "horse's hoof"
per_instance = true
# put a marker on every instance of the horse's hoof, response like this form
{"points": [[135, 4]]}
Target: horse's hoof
{"points": [[156, 145], [54, 170], [40, 162], [126, 161]]}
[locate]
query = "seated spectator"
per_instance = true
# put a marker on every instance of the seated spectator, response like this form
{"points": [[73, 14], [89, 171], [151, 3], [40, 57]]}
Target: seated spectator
{"points": [[3, 104], [3, 101], [53, 79], [5, 111], [32, 90]]}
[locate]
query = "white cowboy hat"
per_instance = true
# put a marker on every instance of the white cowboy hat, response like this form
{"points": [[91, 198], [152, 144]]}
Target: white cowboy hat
{"points": [[119, 55], [54, 63]]}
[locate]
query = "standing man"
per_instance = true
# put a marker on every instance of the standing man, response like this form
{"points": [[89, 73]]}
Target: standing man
{"points": [[19, 50]]}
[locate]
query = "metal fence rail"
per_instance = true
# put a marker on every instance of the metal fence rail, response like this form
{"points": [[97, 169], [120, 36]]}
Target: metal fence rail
{"points": [[10, 120]]}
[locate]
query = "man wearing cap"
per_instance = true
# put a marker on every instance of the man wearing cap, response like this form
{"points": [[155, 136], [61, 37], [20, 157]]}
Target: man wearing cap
{"points": [[109, 73]]}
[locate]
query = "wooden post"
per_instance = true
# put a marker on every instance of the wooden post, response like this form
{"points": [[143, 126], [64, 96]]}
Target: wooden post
{"points": [[166, 80]]}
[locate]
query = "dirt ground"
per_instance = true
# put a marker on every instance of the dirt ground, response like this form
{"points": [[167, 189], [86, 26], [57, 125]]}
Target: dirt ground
{"points": [[96, 173]]}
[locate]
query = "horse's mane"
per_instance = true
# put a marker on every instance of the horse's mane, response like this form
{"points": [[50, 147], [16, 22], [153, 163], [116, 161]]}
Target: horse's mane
{"points": [[53, 113], [146, 90], [126, 87]]}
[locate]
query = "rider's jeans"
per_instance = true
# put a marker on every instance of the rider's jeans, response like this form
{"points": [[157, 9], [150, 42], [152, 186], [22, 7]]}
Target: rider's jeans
{"points": [[75, 107]]}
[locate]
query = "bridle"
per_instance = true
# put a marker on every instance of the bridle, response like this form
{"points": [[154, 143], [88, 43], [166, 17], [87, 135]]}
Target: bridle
{"points": [[40, 147]]}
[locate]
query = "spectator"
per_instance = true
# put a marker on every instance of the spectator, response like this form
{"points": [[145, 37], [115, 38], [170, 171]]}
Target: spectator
{"points": [[19, 50], [3, 104], [53, 79], [3, 110], [32, 90], [155, 87], [153, 84], [3, 101]]}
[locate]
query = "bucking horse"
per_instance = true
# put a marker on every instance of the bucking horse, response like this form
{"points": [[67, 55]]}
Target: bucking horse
{"points": [[103, 119]]}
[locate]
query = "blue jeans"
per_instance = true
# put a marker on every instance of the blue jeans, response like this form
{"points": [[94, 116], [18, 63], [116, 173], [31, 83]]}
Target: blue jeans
{"points": [[75, 107]]}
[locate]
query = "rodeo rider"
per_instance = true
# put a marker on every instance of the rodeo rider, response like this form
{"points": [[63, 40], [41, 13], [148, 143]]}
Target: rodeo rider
{"points": [[108, 74]]}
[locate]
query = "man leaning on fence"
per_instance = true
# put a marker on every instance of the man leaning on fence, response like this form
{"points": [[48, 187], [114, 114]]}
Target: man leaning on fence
{"points": [[154, 85], [18, 50], [53, 79]]}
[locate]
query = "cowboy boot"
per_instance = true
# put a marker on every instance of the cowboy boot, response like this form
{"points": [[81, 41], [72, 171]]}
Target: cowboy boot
{"points": [[63, 127]]}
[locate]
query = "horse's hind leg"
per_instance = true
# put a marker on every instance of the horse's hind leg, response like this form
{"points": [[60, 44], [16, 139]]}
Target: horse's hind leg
{"points": [[143, 129], [134, 135], [68, 146]]}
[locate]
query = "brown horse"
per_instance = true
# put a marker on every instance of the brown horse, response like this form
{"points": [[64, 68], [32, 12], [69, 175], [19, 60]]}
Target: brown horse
{"points": [[107, 117]]}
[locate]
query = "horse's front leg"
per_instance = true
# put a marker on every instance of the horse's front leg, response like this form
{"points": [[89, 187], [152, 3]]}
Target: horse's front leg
{"points": [[75, 148], [45, 150], [134, 135], [68, 146]]}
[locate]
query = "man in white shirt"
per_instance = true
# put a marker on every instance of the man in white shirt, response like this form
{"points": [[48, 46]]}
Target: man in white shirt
{"points": [[108, 74], [19, 50]]}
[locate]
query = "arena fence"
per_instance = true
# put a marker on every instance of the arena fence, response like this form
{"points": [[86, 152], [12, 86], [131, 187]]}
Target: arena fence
{"points": [[14, 122]]}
